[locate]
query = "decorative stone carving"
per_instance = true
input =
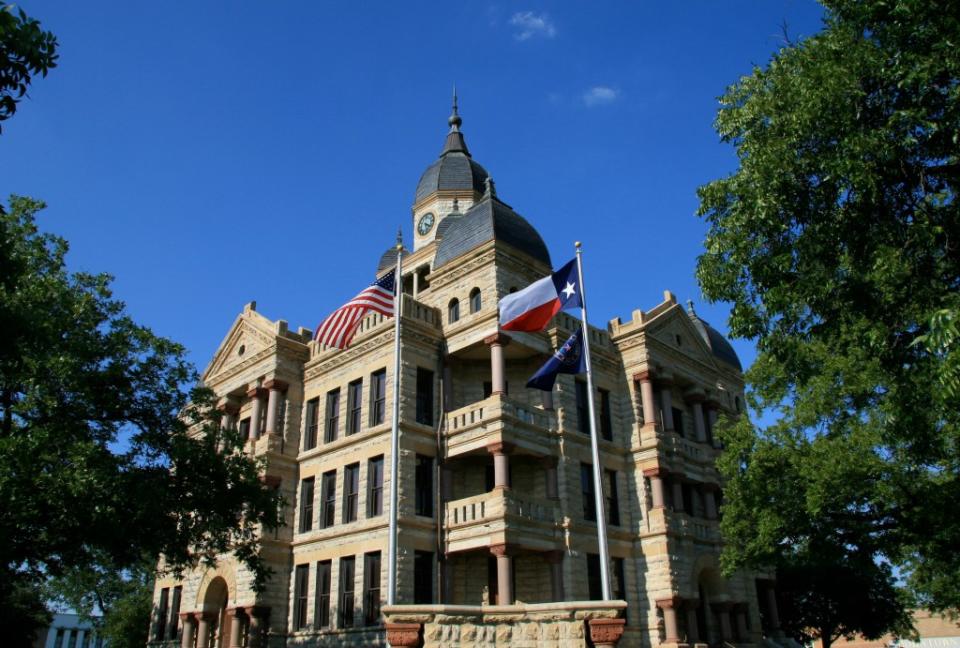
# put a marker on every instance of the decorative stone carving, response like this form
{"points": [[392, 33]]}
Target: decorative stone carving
{"points": [[403, 634], [606, 632]]}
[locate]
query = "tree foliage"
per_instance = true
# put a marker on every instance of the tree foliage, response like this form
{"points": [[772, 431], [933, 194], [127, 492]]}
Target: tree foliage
{"points": [[836, 241], [105, 455], [25, 51]]}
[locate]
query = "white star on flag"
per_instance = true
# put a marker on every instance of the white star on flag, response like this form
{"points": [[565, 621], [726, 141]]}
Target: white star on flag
{"points": [[569, 290]]}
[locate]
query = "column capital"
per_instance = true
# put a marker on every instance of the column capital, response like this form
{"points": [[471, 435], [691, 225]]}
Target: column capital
{"points": [[256, 392], [656, 471], [606, 632], [204, 616], [669, 603], [187, 616], [228, 406], [502, 549], [403, 634], [496, 338], [643, 376], [238, 611], [499, 448], [258, 611], [274, 384]]}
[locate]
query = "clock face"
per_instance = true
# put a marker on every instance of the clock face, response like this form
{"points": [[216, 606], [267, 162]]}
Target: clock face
{"points": [[425, 224]]}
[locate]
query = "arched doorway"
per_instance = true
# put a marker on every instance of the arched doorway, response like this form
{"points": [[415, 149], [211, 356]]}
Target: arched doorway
{"points": [[711, 591], [215, 604]]}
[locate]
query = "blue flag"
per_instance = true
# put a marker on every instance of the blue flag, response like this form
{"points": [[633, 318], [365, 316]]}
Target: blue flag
{"points": [[568, 359]]}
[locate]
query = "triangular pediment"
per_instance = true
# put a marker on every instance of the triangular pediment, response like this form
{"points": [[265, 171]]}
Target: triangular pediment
{"points": [[250, 334], [674, 323]]}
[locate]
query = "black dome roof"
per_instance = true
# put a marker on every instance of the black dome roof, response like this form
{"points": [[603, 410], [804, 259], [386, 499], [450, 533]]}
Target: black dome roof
{"points": [[487, 220], [719, 345], [389, 259]]}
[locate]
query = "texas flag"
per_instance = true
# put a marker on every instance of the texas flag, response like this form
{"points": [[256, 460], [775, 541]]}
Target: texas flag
{"points": [[532, 308]]}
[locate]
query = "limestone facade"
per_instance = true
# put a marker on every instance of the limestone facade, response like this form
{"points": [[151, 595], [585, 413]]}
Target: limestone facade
{"points": [[496, 542]]}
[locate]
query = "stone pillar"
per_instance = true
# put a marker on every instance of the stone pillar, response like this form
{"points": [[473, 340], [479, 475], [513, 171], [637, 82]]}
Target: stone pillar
{"points": [[710, 503], [496, 343], [276, 389], [646, 396], [656, 486], [550, 466], [555, 558], [666, 403], [236, 628], [701, 431], [670, 619], [256, 396], [693, 630], [740, 611], [446, 483], [447, 388], [722, 610], [257, 621], [712, 417], [546, 398], [228, 420], [772, 613], [678, 495], [186, 622], [501, 464], [204, 628], [504, 574], [416, 284]]}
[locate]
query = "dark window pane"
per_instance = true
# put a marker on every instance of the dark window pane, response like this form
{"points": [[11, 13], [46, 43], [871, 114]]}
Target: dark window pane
{"points": [[244, 428], [371, 588], [424, 486], [422, 577], [606, 416], [586, 485], [175, 612], [583, 407], [312, 422], [300, 593], [354, 403], [321, 613], [475, 300], [613, 500], [424, 396], [619, 580], [351, 492], [306, 504], [333, 416], [594, 581], [347, 567], [453, 311], [161, 626], [329, 496], [378, 397], [677, 420], [375, 487]]}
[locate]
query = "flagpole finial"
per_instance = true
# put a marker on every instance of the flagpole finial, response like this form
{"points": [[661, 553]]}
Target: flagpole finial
{"points": [[399, 239], [577, 244]]}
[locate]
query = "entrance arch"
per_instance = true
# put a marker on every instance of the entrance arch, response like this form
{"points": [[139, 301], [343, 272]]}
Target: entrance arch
{"points": [[215, 601]]}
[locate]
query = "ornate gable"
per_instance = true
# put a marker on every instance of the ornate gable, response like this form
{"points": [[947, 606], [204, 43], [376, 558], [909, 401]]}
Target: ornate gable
{"points": [[673, 329], [250, 334]]}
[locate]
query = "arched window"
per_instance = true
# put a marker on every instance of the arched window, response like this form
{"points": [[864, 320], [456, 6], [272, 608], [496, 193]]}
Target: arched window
{"points": [[475, 300], [453, 311]]}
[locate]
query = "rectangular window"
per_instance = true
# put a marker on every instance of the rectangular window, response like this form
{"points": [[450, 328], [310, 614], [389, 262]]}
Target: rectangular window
{"points": [[678, 420], [371, 588], [422, 577], [313, 421], [424, 486], [244, 428], [306, 504], [328, 494], [175, 612], [85, 643], [58, 642], [161, 615], [606, 416], [354, 404], [321, 613], [72, 642], [583, 407], [347, 568], [375, 487], [619, 578], [613, 501], [351, 492], [300, 592], [594, 583], [424, 396], [378, 397], [586, 486], [333, 416]]}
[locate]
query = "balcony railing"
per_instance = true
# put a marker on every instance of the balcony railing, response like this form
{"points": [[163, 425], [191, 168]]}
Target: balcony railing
{"points": [[660, 520], [498, 418], [488, 518]]}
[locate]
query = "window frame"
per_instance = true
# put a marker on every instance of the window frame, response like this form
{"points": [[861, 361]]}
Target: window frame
{"points": [[332, 416], [321, 606], [423, 486], [371, 588], [582, 396], [351, 492], [475, 300], [375, 486], [328, 495], [354, 406], [306, 503], [587, 490], [424, 396], [311, 423], [453, 311], [346, 602], [378, 396], [301, 595]]}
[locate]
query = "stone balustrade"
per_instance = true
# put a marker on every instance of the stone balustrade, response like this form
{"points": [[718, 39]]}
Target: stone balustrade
{"points": [[501, 516], [499, 419]]}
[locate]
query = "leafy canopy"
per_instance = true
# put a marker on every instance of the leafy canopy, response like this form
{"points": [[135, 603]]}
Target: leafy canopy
{"points": [[836, 241], [104, 455], [25, 51]]}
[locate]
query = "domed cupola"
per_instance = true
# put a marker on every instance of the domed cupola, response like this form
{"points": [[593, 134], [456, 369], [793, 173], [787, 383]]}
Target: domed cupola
{"points": [[490, 219], [388, 259]]}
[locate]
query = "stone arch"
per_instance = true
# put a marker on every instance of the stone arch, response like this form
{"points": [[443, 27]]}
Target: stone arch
{"points": [[711, 590], [226, 574]]}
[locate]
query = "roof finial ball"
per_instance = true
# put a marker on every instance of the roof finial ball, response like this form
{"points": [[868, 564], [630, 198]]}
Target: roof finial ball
{"points": [[399, 239], [454, 119]]}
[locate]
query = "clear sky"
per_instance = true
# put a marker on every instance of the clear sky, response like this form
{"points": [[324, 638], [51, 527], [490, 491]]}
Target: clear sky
{"points": [[212, 153]]}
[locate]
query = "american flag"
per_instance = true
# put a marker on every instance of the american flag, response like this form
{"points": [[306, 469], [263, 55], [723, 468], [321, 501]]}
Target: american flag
{"points": [[339, 328]]}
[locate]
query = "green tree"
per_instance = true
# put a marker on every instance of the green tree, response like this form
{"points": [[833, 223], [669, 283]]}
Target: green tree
{"points": [[105, 455], [836, 241], [25, 51]]}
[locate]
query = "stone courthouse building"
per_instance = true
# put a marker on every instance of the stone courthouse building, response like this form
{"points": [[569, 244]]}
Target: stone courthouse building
{"points": [[497, 536]]}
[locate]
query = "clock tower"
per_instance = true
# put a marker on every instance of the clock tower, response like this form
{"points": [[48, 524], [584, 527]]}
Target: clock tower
{"points": [[448, 187]]}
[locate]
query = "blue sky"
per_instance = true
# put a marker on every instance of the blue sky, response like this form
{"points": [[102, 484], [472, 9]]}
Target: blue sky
{"points": [[212, 153]]}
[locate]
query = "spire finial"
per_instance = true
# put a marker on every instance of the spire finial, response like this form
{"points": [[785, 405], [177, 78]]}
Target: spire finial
{"points": [[490, 189], [454, 119], [690, 307]]}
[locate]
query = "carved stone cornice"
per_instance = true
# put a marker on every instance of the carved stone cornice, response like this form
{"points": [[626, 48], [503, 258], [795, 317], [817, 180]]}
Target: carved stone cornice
{"points": [[403, 634], [606, 632]]}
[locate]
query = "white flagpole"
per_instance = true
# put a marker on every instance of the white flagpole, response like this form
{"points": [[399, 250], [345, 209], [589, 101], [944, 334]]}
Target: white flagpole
{"points": [[395, 431], [594, 448]]}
